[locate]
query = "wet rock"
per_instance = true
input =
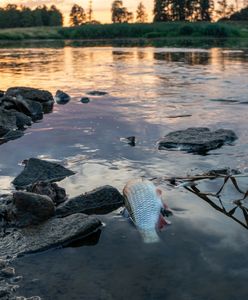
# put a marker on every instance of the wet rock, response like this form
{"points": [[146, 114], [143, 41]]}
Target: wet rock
{"points": [[61, 97], [3, 263], [31, 209], [7, 272], [84, 100], [197, 140], [53, 233], [22, 120], [99, 201], [42, 96], [11, 135], [52, 190], [97, 93], [7, 121], [40, 170], [131, 140], [1, 94], [7, 290], [28, 107]]}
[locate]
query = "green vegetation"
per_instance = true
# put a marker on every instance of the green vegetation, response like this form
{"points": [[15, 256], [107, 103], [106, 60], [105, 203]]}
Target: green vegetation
{"points": [[174, 33], [13, 16]]}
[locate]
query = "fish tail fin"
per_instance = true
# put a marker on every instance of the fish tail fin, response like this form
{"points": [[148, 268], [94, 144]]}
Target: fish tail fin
{"points": [[149, 236]]}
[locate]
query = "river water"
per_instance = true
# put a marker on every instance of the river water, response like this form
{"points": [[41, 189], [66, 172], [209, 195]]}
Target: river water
{"points": [[151, 91]]}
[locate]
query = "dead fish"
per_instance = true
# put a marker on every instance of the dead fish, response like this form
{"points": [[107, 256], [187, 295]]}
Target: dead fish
{"points": [[146, 209]]}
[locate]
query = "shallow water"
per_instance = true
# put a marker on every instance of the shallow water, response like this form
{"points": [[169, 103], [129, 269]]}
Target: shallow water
{"points": [[151, 92]]}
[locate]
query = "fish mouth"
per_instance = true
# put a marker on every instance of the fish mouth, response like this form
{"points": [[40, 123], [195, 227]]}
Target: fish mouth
{"points": [[166, 212]]}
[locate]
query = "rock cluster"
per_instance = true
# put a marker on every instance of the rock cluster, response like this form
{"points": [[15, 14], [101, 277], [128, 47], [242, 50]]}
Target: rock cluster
{"points": [[40, 216], [19, 107]]}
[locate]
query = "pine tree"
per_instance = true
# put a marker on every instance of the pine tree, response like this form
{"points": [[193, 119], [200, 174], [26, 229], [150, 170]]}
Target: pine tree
{"points": [[77, 16], [120, 14], [162, 10], [141, 15], [55, 16], [224, 9]]}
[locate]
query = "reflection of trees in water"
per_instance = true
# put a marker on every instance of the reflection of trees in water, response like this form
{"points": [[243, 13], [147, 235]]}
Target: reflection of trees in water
{"points": [[122, 55], [190, 58]]}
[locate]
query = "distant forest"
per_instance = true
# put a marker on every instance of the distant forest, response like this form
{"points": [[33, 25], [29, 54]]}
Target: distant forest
{"points": [[13, 16]]}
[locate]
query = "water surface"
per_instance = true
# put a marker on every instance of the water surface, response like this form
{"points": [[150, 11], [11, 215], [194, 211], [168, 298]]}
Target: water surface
{"points": [[151, 92]]}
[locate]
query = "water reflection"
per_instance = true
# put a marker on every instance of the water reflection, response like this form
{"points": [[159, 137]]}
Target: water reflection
{"points": [[191, 58], [235, 208], [150, 93]]}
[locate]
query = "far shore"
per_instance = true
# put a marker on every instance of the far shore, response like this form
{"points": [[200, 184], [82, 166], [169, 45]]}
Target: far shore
{"points": [[172, 34]]}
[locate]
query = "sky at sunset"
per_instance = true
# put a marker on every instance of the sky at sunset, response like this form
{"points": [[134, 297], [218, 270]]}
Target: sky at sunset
{"points": [[101, 8]]}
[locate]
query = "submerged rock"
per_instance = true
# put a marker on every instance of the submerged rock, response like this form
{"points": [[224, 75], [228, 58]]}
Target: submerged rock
{"points": [[197, 140], [52, 190], [54, 232], [61, 97], [84, 100], [97, 93], [99, 201], [31, 209], [40, 170]]}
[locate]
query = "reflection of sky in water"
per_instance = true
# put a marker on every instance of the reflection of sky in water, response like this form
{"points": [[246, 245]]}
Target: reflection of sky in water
{"points": [[149, 89]]}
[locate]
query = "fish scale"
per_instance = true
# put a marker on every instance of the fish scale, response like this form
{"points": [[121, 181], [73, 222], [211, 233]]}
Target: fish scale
{"points": [[143, 203]]}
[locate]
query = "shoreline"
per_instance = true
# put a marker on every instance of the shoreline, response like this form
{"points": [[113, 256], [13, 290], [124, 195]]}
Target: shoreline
{"points": [[185, 42]]}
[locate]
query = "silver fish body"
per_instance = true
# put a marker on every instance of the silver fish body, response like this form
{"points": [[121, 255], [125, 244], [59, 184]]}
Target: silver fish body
{"points": [[144, 205]]}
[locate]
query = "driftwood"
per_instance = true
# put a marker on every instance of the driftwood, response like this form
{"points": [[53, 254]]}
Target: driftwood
{"points": [[190, 183]]}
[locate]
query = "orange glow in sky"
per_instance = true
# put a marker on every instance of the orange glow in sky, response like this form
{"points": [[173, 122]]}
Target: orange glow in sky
{"points": [[101, 8]]}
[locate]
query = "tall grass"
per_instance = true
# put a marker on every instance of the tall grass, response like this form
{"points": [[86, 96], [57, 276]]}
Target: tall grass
{"points": [[122, 31], [172, 29]]}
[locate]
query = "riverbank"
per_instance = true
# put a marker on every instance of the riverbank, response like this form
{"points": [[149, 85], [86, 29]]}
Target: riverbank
{"points": [[114, 31]]}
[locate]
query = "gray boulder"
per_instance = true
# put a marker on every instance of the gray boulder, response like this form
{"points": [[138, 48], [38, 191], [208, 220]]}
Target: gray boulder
{"points": [[197, 140], [99, 201], [30, 209], [40, 170], [55, 232], [52, 190]]}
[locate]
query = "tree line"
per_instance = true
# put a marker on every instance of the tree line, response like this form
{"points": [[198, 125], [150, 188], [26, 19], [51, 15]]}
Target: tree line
{"points": [[164, 10], [12, 16]]}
